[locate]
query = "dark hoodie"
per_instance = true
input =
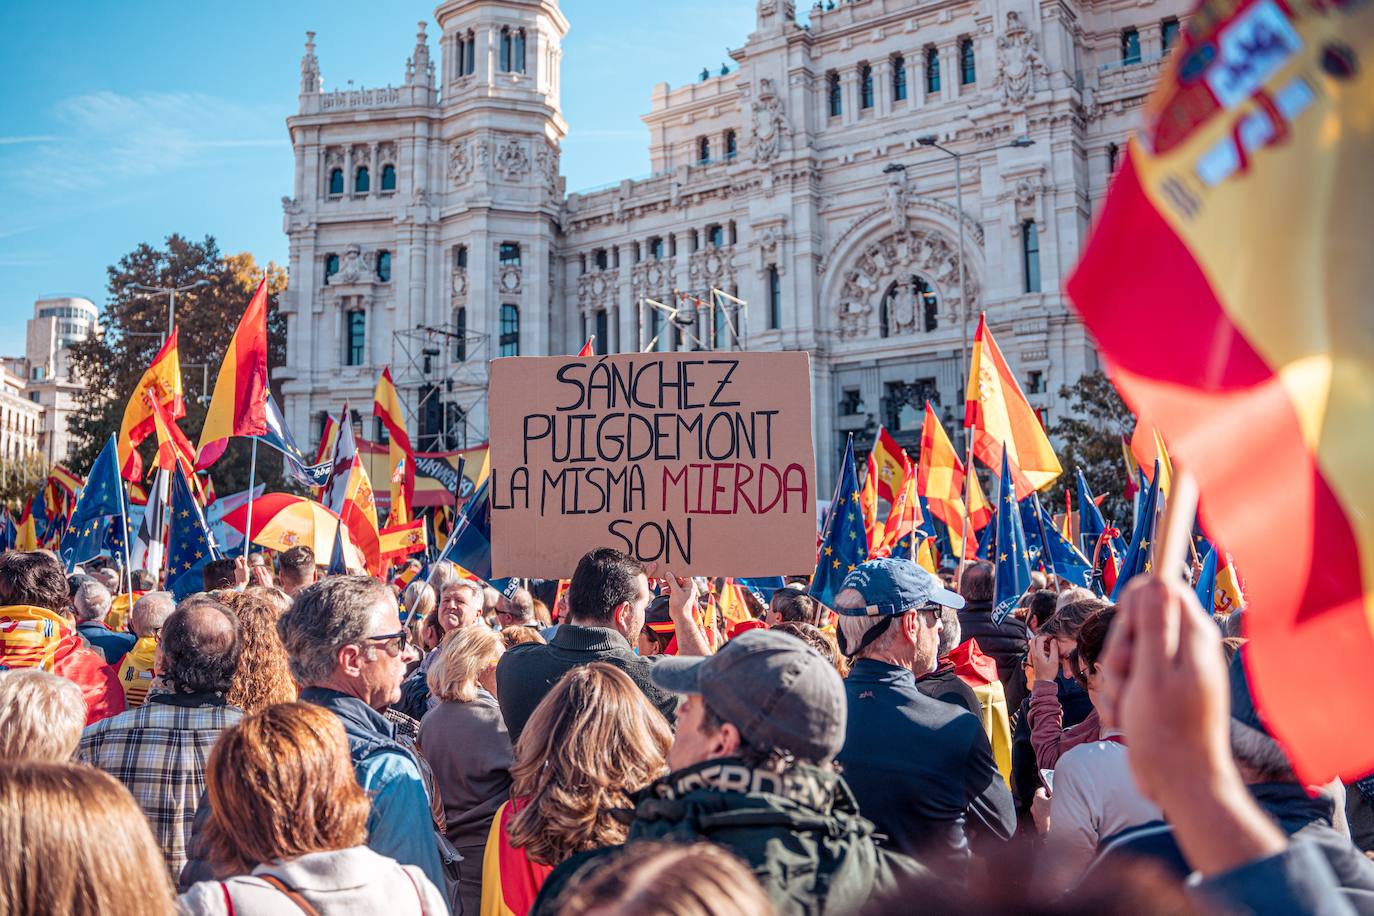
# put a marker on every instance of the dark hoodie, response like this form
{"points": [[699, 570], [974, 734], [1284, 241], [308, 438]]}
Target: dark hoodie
{"points": [[799, 832]]}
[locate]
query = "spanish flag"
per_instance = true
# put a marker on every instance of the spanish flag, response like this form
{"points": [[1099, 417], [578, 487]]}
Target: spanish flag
{"points": [[1239, 226], [997, 412], [893, 465], [238, 406], [27, 530], [161, 385], [940, 481], [1147, 445], [386, 406], [901, 521], [868, 504], [398, 541]]}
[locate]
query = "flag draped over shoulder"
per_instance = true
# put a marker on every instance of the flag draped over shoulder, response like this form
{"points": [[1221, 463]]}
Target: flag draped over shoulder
{"points": [[1239, 222], [238, 406], [843, 543], [387, 407], [998, 414], [160, 386]]}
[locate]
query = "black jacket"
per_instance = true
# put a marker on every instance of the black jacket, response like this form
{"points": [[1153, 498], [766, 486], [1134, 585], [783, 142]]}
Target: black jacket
{"points": [[799, 832], [945, 684], [920, 768], [527, 672], [1008, 644]]}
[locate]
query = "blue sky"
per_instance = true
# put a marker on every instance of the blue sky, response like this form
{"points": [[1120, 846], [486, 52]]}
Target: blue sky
{"points": [[126, 122]]}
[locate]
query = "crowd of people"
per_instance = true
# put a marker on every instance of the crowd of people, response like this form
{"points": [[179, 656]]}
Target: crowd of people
{"points": [[286, 741]]}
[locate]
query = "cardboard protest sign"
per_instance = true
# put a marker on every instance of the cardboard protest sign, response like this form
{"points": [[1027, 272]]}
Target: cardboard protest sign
{"points": [[701, 462]]}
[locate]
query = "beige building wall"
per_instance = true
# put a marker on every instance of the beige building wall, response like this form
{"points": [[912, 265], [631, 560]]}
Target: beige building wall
{"points": [[795, 181]]}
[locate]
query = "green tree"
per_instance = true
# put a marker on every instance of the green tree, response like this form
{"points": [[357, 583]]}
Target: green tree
{"points": [[1090, 439], [134, 324], [20, 478]]}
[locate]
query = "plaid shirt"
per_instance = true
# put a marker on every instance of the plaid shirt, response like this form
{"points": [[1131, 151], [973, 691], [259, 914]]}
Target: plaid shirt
{"points": [[159, 752]]}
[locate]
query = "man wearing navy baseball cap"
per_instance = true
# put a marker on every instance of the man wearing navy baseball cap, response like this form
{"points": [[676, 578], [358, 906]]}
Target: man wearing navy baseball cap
{"points": [[919, 767], [752, 771]]}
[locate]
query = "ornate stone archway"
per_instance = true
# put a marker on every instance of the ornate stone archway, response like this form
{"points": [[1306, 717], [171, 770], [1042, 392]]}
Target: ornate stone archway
{"points": [[894, 258]]}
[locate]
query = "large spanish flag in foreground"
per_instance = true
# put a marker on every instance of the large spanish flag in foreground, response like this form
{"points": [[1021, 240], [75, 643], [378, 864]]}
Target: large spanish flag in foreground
{"points": [[239, 404], [996, 411], [1228, 283]]}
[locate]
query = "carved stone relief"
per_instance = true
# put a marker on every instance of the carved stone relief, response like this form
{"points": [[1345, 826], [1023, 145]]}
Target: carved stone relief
{"points": [[1018, 62], [460, 163], [895, 259], [512, 163], [770, 124]]}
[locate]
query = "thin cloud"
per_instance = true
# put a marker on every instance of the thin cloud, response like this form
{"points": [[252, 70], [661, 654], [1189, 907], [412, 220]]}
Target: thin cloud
{"points": [[40, 138]]}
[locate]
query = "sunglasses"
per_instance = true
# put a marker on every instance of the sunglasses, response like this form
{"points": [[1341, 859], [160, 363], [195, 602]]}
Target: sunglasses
{"points": [[402, 642]]}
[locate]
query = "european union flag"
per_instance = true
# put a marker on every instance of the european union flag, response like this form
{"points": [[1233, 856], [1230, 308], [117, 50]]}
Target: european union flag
{"points": [[1091, 524], [844, 543], [38, 509], [987, 545], [470, 543], [1207, 583], [1137, 559], [337, 565], [189, 542], [763, 587], [1013, 556], [294, 464], [92, 538], [103, 493], [1060, 556]]}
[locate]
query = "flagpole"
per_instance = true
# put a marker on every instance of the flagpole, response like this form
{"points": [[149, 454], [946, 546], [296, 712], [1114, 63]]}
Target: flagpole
{"points": [[248, 526], [1044, 538], [124, 520]]}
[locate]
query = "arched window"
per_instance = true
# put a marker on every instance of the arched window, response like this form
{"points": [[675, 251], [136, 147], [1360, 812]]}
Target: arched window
{"points": [[331, 266], [388, 177], [510, 330], [704, 149], [505, 53], [1030, 255], [833, 100], [968, 73], [336, 181], [356, 338], [518, 64], [865, 86], [731, 145], [774, 298], [932, 70], [909, 303], [384, 266], [460, 333], [898, 78], [362, 182]]}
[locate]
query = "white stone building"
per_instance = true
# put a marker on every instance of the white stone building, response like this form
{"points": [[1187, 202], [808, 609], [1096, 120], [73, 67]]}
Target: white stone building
{"points": [[21, 425], [57, 323], [430, 228]]}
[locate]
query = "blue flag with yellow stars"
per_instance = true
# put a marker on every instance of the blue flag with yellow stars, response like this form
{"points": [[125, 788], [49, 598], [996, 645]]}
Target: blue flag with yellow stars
{"points": [[1206, 586], [91, 539], [189, 542], [844, 544], [1137, 558], [988, 542], [1013, 556], [1059, 555], [1091, 524], [103, 493]]}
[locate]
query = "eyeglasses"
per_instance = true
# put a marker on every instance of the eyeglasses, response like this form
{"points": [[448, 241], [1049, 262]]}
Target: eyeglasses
{"points": [[402, 642]]}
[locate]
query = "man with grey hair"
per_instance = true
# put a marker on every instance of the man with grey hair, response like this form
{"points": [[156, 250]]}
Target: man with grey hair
{"points": [[41, 716], [348, 651], [136, 672], [91, 602], [918, 767], [944, 682]]}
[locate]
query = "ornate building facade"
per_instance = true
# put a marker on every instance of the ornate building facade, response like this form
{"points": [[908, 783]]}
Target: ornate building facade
{"points": [[430, 228]]}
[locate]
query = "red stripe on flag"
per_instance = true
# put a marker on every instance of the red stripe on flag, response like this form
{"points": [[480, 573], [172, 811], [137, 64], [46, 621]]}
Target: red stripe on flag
{"points": [[1178, 358]]}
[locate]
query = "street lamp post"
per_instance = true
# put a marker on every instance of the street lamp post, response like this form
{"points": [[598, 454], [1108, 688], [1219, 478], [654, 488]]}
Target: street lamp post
{"points": [[171, 292], [931, 140]]}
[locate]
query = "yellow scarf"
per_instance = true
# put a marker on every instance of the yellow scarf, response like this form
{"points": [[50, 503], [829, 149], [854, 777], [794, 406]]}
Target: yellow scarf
{"points": [[30, 636], [136, 671]]}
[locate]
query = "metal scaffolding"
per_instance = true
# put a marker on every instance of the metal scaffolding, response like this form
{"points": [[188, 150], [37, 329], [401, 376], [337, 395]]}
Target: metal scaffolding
{"points": [[446, 363], [686, 317]]}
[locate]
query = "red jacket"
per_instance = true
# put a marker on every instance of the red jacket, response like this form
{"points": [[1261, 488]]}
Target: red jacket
{"points": [[33, 637]]}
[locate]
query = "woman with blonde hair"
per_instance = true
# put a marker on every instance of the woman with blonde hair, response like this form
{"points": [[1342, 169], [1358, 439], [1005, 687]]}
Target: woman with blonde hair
{"points": [[264, 675], [590, 744], [465, 742], [74, 841], [288, 817]]}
